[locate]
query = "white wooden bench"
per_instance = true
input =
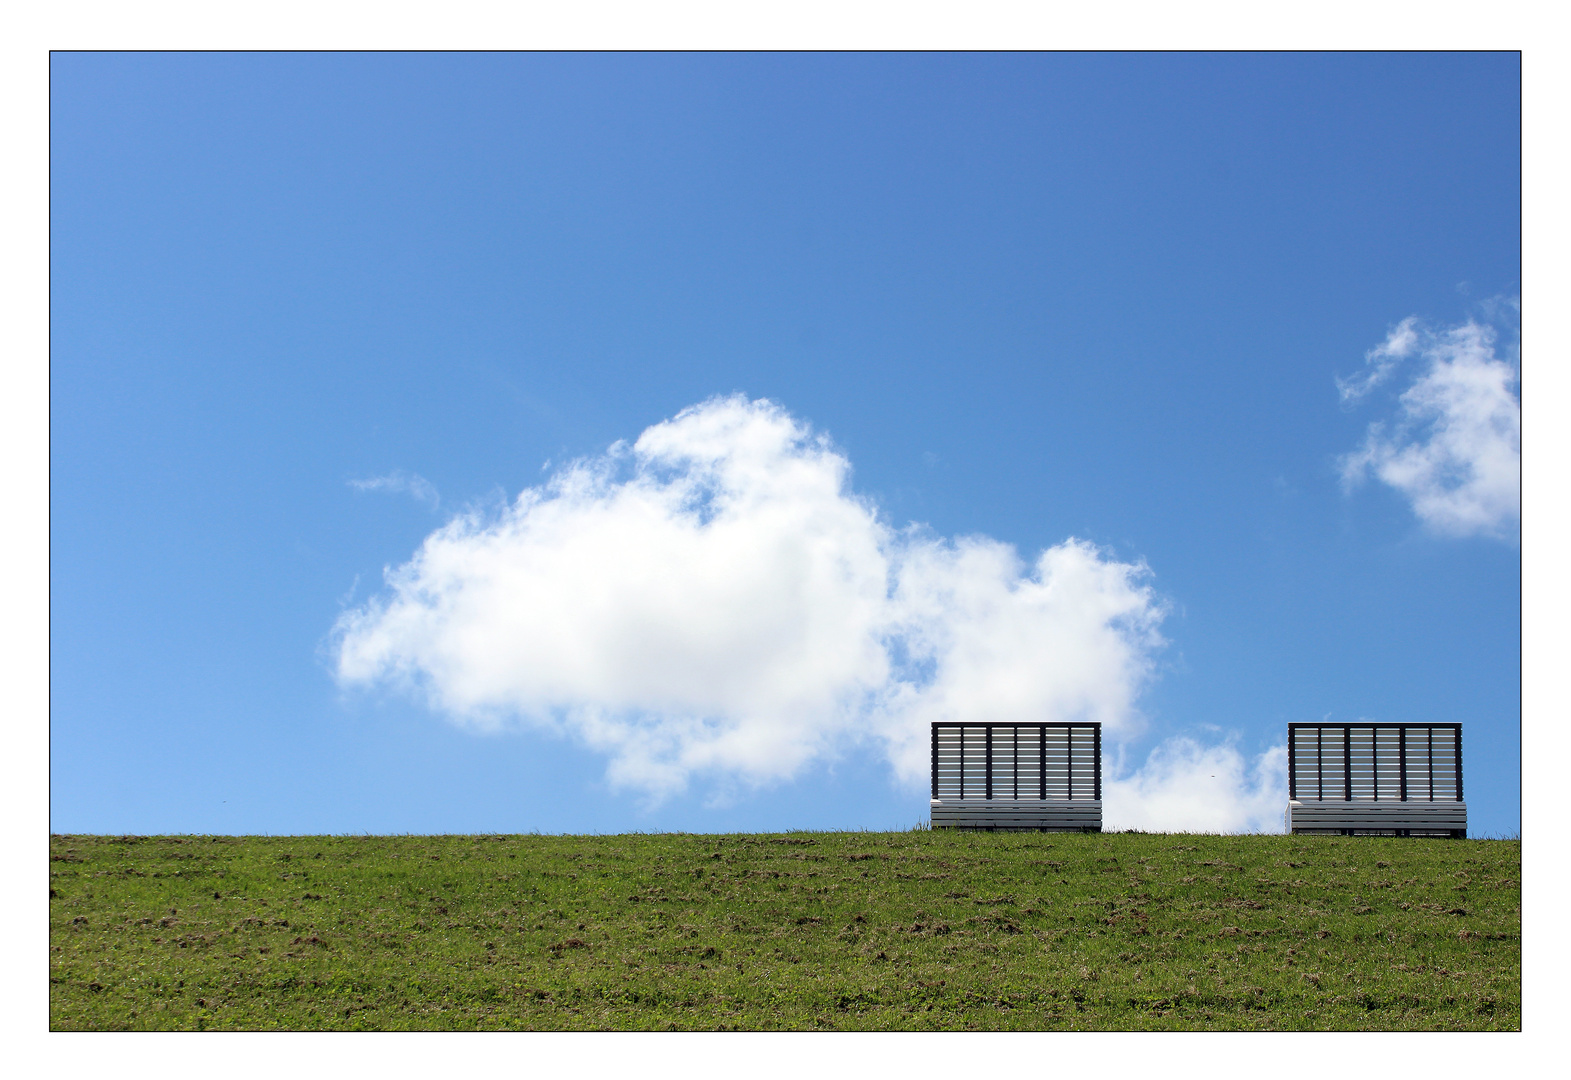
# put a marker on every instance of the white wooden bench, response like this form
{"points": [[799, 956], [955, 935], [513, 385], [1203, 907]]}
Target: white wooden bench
{"points": [[1375, 780], [1017, 777]]}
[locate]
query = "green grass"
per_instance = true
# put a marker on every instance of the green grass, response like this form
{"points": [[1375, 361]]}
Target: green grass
{"points": [[917, 930]]}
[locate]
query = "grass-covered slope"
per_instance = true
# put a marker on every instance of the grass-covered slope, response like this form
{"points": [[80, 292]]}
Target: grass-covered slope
{"points": [[804, 930]]}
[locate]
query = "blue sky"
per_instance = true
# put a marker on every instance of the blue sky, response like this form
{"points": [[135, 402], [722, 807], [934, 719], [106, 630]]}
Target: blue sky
{"points": [[307, 309]]}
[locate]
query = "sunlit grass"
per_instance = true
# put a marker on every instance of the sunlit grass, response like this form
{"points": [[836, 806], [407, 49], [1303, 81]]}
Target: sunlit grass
{"points": [[916, 930]]}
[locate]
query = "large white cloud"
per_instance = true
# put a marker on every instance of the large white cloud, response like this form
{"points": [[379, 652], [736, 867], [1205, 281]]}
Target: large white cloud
{"points": [[1185, 786], [713, 600], [1454, 448]]}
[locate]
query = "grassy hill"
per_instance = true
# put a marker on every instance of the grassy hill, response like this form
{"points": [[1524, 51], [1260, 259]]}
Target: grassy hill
{"points": [[916, 930]]}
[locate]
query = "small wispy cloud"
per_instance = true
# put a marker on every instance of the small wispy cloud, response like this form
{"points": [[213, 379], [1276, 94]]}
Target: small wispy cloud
{"points": [[400, 482], [349, 593], [1184, 786], [1381, 361], [1454, 446]]}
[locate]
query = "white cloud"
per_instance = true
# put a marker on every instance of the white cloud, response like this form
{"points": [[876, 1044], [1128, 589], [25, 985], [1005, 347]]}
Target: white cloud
{"points": [[1186, 787], [713, 601], [1382, 360], [397, 481], [1454, 448]]}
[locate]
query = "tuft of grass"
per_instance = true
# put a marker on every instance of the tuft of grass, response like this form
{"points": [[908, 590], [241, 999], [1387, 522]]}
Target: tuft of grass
{"points": [[917, 929]]}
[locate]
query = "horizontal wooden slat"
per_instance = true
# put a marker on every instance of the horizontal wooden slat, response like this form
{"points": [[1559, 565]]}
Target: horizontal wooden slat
{"points": [[1367, 814], [1375, 761], [1017, 813], [1023, 760]]}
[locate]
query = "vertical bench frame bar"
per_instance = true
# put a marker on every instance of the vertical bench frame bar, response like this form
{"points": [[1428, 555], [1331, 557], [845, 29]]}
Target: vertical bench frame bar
{"points": [[1320, 781], [1292, 765], [1401, 757], [1459, 763], [1041, 761], [1347, 764], [989, 730], [1096, 764]]}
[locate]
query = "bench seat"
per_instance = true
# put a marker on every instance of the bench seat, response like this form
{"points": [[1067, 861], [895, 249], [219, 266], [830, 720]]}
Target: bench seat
{"points": [[1368, 817], [1061, 815]]}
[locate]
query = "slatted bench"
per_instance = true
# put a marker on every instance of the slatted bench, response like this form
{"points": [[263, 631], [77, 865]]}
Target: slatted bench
{"points": [[1040, 777], [1375, 780]]}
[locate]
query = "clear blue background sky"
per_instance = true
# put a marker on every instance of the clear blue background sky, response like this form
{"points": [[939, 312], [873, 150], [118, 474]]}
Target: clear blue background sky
{"points": [[1029, 296]]}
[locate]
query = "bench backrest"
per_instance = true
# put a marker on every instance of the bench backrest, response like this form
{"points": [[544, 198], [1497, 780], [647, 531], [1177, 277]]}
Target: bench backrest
{"points": [[1377, 762], [1017, 761]]}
